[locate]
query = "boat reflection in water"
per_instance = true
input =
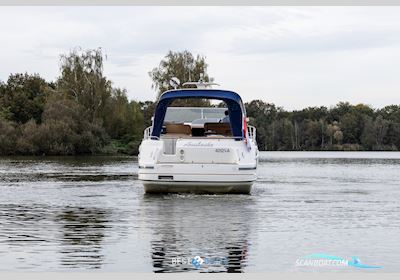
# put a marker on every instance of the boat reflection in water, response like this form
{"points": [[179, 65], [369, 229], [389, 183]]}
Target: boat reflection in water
{"points": [[216, 230], [83, 232]]}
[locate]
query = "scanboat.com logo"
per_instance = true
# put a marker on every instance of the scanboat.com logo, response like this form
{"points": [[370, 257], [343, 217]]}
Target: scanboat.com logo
{"points": [[329, 260]]}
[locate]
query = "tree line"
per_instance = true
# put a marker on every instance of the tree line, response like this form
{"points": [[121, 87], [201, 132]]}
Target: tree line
{"points": [[81, 112], [344, 127]]}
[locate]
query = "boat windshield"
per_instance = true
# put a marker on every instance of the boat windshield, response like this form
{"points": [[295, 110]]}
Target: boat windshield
{"points": [[182, 120], [195, 115]]}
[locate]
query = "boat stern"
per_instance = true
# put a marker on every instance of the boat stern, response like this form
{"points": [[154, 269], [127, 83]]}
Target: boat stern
{"points": [[197, 166]]}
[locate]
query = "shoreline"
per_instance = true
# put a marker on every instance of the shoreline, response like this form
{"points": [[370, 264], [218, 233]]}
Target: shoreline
{"points": [[120, 155]]}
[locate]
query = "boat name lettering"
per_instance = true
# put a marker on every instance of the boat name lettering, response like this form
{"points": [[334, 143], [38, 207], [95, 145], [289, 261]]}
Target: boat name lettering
{"points": [[198, 144]]}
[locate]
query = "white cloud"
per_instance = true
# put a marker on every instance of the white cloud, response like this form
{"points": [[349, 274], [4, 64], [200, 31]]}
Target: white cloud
{"points": [[292, 56]]}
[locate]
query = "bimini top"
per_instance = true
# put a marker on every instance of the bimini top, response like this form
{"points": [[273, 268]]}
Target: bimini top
{"points": [[232, 99]]}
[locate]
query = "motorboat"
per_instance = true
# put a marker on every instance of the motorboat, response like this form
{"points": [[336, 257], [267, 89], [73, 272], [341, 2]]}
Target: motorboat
{"points": [[199, 149]]}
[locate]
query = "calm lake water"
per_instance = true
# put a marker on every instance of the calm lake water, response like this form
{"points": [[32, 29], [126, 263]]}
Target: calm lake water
{"points": [[90, 213]]}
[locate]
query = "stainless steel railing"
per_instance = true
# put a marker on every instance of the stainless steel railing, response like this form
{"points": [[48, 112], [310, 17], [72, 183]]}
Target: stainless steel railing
{"points": [[147, 133], [251, 129], [252, 132]]}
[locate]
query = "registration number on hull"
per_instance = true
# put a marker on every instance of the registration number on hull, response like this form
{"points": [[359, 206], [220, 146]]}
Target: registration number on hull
{"points": [[222, 150]]}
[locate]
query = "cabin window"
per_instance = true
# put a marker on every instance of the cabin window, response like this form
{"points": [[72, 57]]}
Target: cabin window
{"points": [[183, 122]]}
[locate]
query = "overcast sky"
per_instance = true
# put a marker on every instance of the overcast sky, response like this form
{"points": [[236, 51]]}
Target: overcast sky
{"points": [[292, 56]]}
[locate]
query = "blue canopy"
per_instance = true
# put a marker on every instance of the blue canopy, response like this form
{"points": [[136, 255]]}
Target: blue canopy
{"points": [[232, 99]]}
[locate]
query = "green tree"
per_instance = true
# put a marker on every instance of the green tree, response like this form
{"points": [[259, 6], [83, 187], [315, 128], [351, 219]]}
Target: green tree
{"points": [[147, 108], [391, 112], [82, 79], [368, 140], [350, 128], [338, 135], [119, 121], [313, 135], [286, 135], [338, 111], [186, 68], [381, 127], [23, 97], [124, 121], [311, 113], [4, 114], [28, 142], [262, 115], [67, 129], [393, 136], [8, 137]]}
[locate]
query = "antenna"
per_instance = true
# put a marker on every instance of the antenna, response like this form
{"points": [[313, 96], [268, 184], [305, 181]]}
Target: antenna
{"points": [[191, 68], [174, 82], [201, 80], [201, 83]]}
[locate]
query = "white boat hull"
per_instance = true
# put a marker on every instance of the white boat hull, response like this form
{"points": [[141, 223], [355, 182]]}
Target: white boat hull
{"points": [[198, 178], [209, 166]]}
